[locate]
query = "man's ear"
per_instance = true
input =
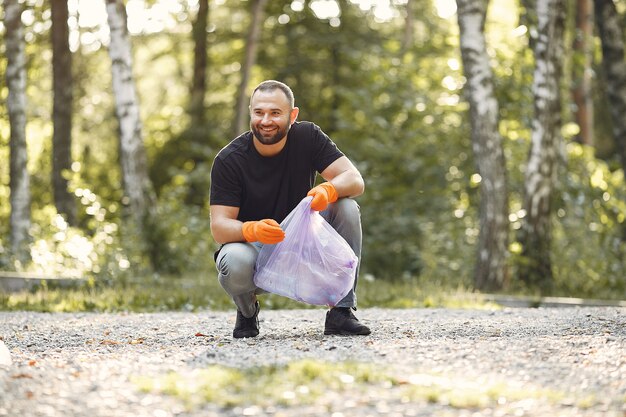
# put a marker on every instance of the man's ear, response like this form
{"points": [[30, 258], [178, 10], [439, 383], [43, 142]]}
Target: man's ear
{"points": [[293, 115]]}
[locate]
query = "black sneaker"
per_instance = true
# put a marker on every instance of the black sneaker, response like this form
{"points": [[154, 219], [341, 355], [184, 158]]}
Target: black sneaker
{"points": [[340, 320], [247, 327]]}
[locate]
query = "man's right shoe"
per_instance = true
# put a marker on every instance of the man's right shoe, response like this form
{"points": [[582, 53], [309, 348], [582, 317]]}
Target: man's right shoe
{"points": [[341, 320], [247, 326]]}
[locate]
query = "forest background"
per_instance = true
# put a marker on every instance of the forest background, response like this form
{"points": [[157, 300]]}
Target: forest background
{"points": [[386, 80]]}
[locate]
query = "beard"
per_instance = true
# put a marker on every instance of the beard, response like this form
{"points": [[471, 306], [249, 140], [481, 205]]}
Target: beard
{"points": [[270, 139]]}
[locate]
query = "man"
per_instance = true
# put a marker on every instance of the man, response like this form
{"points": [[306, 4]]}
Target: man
{"points": [[258, 178]]}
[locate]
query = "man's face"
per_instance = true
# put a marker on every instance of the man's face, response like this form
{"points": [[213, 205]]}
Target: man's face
{"points": [[271, 116]]}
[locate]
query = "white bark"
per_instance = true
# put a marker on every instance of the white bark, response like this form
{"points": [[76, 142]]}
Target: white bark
{"points": [[16, 105], [487, 145], [541, 171], [137, 184]]}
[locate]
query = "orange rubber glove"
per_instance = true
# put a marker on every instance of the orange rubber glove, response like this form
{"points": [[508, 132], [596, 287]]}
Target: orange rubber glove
{"points": [[322, 195], [266, 231]]}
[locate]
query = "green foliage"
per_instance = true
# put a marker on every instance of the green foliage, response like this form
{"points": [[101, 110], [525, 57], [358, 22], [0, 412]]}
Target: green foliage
{"points": [[397, 112], [299, 382], [590, 228], [180, 236]]}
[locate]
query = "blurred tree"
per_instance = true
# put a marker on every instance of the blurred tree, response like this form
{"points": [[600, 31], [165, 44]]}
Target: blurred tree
{"points": [[252, 43], [196, 132], [490, 270], [137, 185], [583, 72], [62, 110], [197, 106], [16, 104], [614, 68], [546, 142]]}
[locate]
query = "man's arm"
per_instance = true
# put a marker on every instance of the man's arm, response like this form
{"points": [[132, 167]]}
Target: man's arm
{"points": [[224, 224], [345, 177], [225, 227]]}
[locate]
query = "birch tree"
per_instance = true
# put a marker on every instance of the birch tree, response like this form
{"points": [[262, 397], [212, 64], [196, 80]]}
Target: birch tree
{"points": [[137, 186], [16, 106], [62, 110], [252, 44], [491, 270], [614, 68], [546, 140]]}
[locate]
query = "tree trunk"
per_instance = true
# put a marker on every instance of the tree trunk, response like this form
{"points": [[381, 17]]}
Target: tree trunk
{"points": [[581, 91], [137, 186], [198, 88], [611, 35], [541, 171], [196, 137], [62, 111], [16, 106], [491, 270], [252, 44]]}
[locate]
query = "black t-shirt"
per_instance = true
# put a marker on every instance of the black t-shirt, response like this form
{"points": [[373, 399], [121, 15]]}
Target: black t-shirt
{"points": [[270, 187]]}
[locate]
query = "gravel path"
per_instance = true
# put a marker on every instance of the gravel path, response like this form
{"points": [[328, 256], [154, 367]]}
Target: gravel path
{"points": [[511, 362]]}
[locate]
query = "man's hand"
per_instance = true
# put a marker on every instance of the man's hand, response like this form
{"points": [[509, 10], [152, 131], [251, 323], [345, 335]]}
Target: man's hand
{"points": [[266, 231], [322, 195]]}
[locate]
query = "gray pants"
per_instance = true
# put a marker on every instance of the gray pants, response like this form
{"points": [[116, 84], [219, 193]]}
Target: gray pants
{"points": [[235, 261]]}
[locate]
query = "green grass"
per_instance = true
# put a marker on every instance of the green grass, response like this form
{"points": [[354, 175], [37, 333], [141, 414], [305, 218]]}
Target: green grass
{"points": [[310, 381], [202, 291], [299, 382]]}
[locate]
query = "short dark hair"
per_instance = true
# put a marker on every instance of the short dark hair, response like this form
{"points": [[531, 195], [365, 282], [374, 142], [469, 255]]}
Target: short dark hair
{"points": [[271, 85]]}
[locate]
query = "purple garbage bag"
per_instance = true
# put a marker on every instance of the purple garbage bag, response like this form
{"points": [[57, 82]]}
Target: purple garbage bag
{"points": [[313, 264]]}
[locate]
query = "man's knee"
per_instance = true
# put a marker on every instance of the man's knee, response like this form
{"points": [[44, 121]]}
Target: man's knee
{"points": [[349, 207], [346, 211], [236, 261]]}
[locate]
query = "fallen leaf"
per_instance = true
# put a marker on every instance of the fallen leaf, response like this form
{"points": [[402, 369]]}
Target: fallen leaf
{"points": [[22, 375], [109, 342], [202, 335], [136, 341], [32, 362]]}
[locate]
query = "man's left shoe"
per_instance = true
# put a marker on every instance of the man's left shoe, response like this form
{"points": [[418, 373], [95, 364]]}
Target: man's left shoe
{"points": [[247, 326], [341, 320]]}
